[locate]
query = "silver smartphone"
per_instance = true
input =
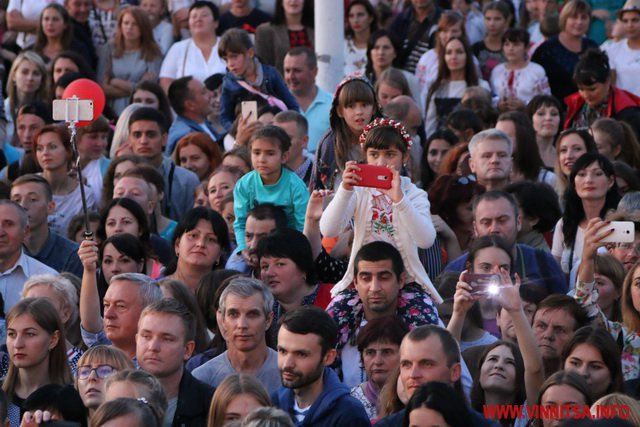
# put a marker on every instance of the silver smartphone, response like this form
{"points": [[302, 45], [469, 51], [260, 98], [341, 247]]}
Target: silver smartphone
{"points": [[73, 110]]}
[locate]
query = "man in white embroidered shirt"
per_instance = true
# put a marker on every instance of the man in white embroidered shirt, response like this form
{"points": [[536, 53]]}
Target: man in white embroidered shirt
{"points": [[15, 266]]}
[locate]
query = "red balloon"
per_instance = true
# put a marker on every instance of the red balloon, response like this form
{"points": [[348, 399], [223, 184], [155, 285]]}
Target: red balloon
{"points": [[86, 89]]}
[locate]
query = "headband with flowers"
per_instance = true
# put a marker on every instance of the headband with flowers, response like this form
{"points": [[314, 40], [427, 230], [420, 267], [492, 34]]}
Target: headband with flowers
{"points": [[387, 122], [351, 78]]}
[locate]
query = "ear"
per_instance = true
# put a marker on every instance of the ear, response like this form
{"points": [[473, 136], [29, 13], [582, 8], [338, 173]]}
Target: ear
{"points": [[251, 52], [330, 357], [339, 112], [27, 231], [612, 180], [455, 372], [305, 141], [188, 349], [269, 321], [616, 151], [533, 221], [402, 280], [164, 140], [285, 156], [66, 314], [176, 246], [475, 229], [518, 222], [472, 164], [55, 338], [51, 207]]}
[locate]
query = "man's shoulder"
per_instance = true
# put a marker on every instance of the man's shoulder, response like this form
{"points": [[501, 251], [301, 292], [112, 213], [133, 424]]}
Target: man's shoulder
{"points": [[458, 264], [213, 368], [64, 244], [322, 96]]}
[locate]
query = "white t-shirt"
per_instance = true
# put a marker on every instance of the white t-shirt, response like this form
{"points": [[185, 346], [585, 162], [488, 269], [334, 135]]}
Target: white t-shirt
{"points": [[31, 10], [184, 58], [626, 63], [558, 249]]}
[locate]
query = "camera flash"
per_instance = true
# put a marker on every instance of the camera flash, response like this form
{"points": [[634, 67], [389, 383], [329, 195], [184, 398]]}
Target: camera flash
{"points": [[493, 289]]}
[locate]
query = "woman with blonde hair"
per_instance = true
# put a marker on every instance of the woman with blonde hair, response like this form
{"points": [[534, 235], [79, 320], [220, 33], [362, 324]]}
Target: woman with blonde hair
{"points": [[37, 352], [96, 365], [236, 391], [131, 57], [618, 400], [26, 82]]}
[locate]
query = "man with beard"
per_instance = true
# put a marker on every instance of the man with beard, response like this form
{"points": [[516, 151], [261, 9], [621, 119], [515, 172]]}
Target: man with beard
{"points": [[312, 393]]}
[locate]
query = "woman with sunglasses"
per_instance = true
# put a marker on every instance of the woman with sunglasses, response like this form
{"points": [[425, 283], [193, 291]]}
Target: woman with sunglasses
{"points": [[97, 364]]}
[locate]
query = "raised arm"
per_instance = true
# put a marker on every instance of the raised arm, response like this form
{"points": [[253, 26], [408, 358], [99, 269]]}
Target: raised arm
{"points": [[462, 302], [89, 298], [312, 221], [509, 299]]}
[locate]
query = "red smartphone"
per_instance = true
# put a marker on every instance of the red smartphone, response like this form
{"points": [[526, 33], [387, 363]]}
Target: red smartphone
{"points": [[375, 176]]}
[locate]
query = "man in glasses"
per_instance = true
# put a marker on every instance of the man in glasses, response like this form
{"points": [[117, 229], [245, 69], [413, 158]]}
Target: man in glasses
{"points": [[627, 253]]}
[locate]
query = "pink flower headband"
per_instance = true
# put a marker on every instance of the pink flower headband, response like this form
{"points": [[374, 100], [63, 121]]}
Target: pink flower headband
{"points": [[387, 122], [351, 78]]}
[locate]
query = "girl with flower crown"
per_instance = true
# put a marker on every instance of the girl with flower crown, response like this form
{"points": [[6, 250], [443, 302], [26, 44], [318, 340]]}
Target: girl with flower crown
{"points": [[399, 215]]}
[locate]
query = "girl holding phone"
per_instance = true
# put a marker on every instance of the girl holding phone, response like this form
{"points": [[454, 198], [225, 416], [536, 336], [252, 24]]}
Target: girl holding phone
{"points": [[399, 215]]}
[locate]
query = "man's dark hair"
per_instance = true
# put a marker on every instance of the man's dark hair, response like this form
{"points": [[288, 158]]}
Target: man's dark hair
{"points": [[266, 211], [39, 109], [200, 4], [494, 195], [312, 320], [566, 303], [291, 244], [179, 93], [537, 200], [449, 345], [310, 58], [380, 251], [149, 114]]}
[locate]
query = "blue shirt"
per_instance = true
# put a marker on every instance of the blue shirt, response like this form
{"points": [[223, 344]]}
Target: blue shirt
{"points": [[12, 280], [61, 254], [317, 116], [289, 192]]}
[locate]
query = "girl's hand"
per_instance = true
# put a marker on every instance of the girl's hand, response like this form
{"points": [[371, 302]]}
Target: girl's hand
{"points": [[350, 177], [596, 230], [246, 129], [442, 228], [30, 419], [462, 299], [88, 254], [315, 205], [509, 294], [395, 192]]}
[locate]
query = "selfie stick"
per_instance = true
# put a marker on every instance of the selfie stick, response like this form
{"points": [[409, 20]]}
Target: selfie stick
{"points": [[72, 113]]}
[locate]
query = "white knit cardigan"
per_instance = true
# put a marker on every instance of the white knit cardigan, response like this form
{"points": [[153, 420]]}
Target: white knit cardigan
{"points": [[412, 225]]}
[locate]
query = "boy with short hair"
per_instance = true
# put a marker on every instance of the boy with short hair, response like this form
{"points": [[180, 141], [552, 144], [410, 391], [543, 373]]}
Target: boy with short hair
{"points": [[269, 182], [246, 75]]}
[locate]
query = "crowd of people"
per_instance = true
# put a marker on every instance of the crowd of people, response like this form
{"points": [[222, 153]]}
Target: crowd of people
{"points": [[447, 233]]}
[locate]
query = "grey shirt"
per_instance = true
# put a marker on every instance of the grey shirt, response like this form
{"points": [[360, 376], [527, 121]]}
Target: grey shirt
{"points": [[218, 368]]}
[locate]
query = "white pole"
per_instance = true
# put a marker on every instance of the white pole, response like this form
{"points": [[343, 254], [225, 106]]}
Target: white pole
{"points": [[329, 42]]}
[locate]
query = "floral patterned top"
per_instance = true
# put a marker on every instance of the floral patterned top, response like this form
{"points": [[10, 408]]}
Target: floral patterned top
{"points": [[415, 308], [587, 296]]}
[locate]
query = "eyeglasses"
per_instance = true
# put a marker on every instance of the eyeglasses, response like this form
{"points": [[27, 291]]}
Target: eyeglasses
{"points": [[630, 246], [102, 371], [465, 180]]}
